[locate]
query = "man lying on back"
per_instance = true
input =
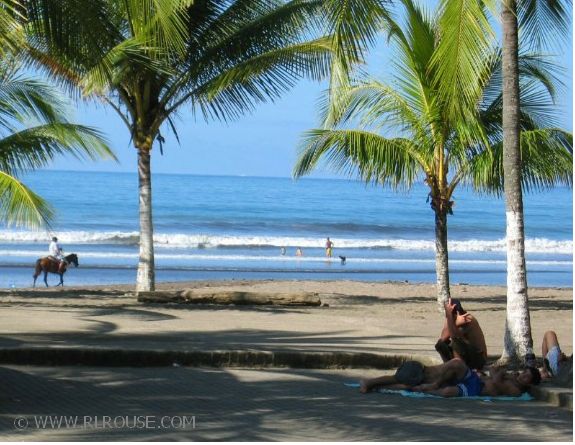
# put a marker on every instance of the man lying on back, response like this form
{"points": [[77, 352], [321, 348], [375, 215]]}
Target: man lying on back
{"points": [[455, 379]]}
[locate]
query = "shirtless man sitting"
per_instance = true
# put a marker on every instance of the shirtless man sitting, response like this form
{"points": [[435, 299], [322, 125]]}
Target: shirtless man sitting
{"points": [[461, 337], [455, 379]]}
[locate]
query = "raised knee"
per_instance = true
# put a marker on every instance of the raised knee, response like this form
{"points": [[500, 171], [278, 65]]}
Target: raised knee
{"points": [[550, 337]]}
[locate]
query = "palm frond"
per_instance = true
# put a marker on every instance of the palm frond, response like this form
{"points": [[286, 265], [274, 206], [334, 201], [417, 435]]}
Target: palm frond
{"points": [[393, 162], [546, 161], [20, 206], [227, 35], [160, 24], [35, 147], [11, 29], [354, 25], [258, 79], [462, 55], [23, 99], [544, 22]]}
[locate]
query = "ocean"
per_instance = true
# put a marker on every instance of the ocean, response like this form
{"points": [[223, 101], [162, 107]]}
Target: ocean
{"points": [[223, 227]]}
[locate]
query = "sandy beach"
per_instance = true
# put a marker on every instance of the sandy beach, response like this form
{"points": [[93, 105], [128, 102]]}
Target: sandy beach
{"points": [[260, 403], [412, 308], [385, 317]]}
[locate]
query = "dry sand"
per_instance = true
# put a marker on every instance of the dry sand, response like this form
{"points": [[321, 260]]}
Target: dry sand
{"points": [[377, 315]]}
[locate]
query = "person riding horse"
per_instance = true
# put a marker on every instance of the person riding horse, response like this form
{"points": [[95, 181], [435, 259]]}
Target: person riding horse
{"points": [[56, 252]]}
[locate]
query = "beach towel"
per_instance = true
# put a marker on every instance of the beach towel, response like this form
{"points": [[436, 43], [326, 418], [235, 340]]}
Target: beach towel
{"points": [[421, 395]]}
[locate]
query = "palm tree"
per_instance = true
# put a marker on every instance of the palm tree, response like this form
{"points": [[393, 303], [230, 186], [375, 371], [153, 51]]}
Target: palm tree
{"points": [[149, 59], [536, 16], [541, 22], [33, 130], [408, 130]]}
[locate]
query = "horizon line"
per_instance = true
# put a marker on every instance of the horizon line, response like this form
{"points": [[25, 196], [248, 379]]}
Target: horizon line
{"points": [[59, 170]]}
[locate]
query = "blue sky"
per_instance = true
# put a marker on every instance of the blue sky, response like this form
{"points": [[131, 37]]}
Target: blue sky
{"points": [[260, 144]]}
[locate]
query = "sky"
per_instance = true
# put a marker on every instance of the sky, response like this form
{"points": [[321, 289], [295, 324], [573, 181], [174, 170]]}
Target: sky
{"points": [[263, 143]]}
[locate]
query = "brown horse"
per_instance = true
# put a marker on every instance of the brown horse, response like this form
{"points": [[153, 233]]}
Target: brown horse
{"points": [[50, 264]]}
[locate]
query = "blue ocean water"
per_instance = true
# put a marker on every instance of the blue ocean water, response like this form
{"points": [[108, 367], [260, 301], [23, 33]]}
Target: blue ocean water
{"points": [[215, 227]]}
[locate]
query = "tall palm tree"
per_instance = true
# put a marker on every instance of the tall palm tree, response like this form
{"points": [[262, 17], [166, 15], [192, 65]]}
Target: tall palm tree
{"points": [[148, 59], [33, 129], [536, 16], [408, 130], [541, 22]]}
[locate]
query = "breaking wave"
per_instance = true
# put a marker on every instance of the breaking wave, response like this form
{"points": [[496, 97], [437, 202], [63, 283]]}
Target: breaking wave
{"points": [[180, 240]]}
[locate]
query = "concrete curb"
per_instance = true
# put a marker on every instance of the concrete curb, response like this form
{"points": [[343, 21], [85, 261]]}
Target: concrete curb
{"points": [[214, 359], [556, 396]]}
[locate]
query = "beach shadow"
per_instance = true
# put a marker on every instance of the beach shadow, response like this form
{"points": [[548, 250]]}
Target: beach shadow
{"points": [[102, 335], [498, 303], [274, 405]]}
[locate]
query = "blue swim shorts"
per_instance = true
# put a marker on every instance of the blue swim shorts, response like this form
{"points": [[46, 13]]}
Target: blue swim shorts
{"points": [[471, 385], [552, 357]]}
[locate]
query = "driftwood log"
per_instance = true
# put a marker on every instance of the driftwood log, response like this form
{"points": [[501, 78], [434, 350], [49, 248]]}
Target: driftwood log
{"points": [[208, 296]]}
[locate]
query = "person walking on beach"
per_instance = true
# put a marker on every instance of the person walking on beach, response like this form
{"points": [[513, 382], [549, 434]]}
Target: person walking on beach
{"points": [[328, 248], [461, 337], [55, 251], [299, 252]]}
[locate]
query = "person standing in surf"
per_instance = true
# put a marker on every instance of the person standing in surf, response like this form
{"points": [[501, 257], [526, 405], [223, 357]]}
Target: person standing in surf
{"points": [[328, 248]]}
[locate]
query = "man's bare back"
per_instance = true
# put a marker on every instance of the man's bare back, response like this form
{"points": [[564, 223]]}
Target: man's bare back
{"points": [[473, 333], [462, 337]]}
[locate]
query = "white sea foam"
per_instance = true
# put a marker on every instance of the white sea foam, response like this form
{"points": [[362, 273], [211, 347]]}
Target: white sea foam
{"points": [[180, 241]]}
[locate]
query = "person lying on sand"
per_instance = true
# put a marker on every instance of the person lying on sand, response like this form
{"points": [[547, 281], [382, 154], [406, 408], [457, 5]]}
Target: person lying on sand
{"points": [[461, 337], [455, 379]]}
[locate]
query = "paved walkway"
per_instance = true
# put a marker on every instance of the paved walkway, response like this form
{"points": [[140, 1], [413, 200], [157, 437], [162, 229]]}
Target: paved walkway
{"points": [[240, 404], [249, 405]]}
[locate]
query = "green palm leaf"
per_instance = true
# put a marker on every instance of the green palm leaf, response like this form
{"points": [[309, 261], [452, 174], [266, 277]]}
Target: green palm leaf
{"points": [[258, 79], [33, 131], [462, 55], [20, 206], [546, 161], [35, 147], [540, 19], [393, 162]]}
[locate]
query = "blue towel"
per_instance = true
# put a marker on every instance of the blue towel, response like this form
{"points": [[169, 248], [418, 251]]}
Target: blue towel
{"points": [[419, 395]]}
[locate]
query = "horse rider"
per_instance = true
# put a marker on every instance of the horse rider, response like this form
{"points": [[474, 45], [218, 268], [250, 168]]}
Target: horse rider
{"points": [[57, 253]]}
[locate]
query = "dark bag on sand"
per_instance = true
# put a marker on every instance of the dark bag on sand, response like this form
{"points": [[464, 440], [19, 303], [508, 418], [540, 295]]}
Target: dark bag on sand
{"points": [[410, 373]]}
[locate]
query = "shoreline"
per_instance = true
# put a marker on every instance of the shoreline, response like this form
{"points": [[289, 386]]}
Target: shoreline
{"points": [[298, 282]]}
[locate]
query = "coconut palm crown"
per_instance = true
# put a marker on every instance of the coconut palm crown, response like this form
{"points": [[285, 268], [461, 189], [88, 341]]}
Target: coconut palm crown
{"points": [[406, 130]]}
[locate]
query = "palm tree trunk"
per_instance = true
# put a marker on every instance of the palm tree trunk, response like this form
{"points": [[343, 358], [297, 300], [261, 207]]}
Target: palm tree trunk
{"points": [[518, 341], [146, 279], [441, 256]]}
